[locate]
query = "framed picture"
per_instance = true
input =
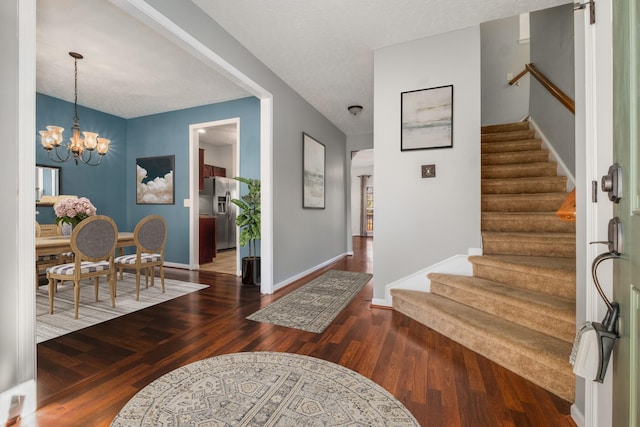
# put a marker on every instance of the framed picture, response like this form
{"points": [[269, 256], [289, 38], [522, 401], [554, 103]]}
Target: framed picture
{"points": [[427, 118], [154, 180], [313, 171]]}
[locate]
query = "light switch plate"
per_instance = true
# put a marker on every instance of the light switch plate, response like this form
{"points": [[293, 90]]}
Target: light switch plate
{"points": [[428, 171]]}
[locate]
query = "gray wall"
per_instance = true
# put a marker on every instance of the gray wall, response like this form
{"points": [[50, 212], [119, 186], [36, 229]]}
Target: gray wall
{"points": [[420, 222], [303, 238], [501, 53], [552, 52]]}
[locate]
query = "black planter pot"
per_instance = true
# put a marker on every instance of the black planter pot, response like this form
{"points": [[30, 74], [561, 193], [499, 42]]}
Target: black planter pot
{"points": [[251, 271]]}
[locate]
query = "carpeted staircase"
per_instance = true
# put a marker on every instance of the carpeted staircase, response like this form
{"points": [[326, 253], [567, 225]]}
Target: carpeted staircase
{"points": [[518, 308]]}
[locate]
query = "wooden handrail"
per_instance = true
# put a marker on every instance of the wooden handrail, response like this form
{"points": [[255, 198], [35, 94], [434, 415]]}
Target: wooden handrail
{"points": [[544, 81]]}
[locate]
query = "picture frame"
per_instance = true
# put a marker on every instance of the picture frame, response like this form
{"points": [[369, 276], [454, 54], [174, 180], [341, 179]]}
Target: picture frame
{"points": [[427, 118], [155, 180], [313, 173]]}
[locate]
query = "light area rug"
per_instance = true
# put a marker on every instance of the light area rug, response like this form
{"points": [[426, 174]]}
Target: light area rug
{"points": [[263, 389], [314, 306], [62, 320]]}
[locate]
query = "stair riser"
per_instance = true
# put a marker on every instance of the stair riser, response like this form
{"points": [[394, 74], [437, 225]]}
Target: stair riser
{"points": [[519, 171], [527, 248], [507, 136], [498, 203], [506, 127], [527, 280], [512, 158], [523, 185], [558, 380], [530, 317], [510, 146], [548, 224]]}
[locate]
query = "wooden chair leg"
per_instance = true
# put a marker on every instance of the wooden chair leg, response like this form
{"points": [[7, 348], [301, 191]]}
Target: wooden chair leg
{"points": [[96, 284], [162, 277], [112, 285], [137, 285], [51, 287], [76, 297]]}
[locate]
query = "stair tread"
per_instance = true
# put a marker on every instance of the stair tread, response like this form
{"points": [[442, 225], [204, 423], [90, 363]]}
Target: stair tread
{"points": [[509, 332], [563, 308], [538, 357], [549, 266], [529, 235]]}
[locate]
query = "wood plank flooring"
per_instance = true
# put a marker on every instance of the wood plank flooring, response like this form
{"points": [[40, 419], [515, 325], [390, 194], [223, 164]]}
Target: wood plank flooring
{"points": [[85, 377]]}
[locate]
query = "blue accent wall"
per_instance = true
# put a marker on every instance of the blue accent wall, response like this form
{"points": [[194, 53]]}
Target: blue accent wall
{"points": [[168, 134], [104, 185], [112, 185]]}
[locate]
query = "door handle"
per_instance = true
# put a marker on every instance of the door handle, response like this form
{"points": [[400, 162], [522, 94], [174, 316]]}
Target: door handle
{"points": [[612, 182]]}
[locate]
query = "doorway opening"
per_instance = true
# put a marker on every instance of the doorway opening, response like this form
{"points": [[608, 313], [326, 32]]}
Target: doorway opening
{"points": [[218, 163]]}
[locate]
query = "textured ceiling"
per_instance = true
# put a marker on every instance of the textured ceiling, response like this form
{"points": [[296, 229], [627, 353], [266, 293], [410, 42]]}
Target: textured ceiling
{"points": [[322, 49]]}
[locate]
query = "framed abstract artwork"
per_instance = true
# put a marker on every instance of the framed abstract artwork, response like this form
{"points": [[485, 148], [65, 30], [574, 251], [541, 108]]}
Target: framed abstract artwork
{"points": [[427, 118], [154, 180], [313, 173]]}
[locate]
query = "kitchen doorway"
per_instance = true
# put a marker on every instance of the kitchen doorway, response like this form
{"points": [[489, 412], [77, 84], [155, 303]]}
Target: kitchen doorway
{"points": [[218, 164]]}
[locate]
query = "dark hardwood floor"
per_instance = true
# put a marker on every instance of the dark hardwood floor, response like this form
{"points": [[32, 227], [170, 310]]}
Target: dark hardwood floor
{"points": [[85, 377]]}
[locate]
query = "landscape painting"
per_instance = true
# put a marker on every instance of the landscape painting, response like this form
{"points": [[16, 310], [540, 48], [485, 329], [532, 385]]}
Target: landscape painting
{"points": [[427, 118], [313, 167]]}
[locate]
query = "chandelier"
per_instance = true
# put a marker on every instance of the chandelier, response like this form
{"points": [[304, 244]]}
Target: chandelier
{"points": [[77, 147]]}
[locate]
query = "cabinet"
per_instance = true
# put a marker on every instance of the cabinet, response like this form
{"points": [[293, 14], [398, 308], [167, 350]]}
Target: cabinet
{"points": [[207, 240], [206, 171]]}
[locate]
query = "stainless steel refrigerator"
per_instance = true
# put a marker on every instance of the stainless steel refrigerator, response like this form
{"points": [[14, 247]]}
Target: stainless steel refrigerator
{"points": [[215, 200]]}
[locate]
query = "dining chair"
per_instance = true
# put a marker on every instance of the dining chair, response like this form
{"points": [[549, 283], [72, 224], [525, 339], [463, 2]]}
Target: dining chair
{"points": [[93, 241], [44, 261], [150, 236]]}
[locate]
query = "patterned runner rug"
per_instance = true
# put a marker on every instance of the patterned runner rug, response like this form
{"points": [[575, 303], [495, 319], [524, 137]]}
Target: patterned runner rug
{"points": [[90, 312], [263, 388], [314, 306]]}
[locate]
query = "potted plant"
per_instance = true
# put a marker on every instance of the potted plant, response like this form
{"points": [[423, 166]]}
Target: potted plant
{"points": [[249, 222]]}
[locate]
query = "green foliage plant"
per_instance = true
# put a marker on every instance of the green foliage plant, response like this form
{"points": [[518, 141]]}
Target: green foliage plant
{"points": [[249, 218]]}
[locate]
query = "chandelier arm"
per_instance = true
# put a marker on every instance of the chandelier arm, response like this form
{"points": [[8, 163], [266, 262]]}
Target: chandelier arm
{"points": [[60, 159]]}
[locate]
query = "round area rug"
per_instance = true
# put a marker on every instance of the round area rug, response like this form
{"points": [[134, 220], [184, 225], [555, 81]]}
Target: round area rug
{"points": [[263, 388]]}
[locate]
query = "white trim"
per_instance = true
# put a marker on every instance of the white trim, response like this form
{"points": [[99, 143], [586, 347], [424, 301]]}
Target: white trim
{"points": [[26, 389], [563, 170], [578, 417], [307, 272], [194, 178], [26, 318], [418, 281], [150, 16]]}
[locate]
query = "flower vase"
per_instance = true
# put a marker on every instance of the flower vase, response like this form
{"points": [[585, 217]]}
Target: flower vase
{"points": [[66, 229]]}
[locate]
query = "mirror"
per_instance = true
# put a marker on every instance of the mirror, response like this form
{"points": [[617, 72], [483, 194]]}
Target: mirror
{"points": [[47, 183]]}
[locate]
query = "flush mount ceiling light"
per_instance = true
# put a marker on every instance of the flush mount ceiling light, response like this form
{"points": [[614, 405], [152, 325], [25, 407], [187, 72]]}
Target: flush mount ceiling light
{"points": [[355, 109], [77, 147]]}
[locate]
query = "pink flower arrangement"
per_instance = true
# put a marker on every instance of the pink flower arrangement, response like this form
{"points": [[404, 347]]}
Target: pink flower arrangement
{"points": [[72, 211]]}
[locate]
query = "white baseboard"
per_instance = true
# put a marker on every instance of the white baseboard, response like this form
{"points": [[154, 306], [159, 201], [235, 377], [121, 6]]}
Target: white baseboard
{"points": [[457, 264], [562, 167], [578, 417], [298, 276], [28, 392], [179, 265]]}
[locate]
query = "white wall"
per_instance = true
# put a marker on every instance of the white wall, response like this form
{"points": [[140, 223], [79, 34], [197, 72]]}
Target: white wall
{"points": [[418, 221], [17, 304], [503, 53]]}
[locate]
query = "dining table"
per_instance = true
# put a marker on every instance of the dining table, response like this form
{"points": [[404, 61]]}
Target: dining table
{"points": [[52, 245]]}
